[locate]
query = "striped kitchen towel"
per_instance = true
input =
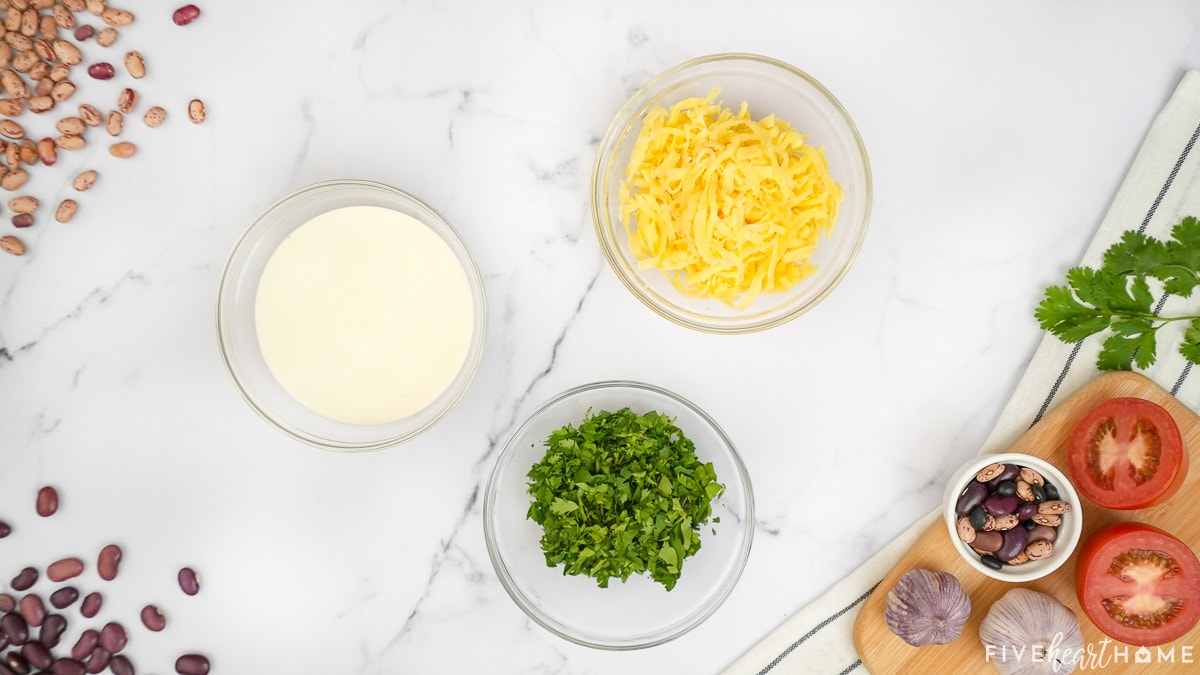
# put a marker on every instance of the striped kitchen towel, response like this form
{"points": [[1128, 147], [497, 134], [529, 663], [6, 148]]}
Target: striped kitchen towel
{"points": [[1161, 188]]}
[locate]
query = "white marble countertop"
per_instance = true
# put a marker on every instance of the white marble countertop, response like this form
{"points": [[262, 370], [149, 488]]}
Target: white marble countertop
{"points": [[997, 133]]}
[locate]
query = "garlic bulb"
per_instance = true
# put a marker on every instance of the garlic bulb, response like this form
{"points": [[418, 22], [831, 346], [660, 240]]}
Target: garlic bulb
{"points": [[1030, 633], [927, 608]]}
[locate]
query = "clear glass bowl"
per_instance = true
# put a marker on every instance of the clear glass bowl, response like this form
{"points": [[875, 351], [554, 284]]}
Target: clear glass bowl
{"points": [[639, 612], [238, 338], [770, 87]]}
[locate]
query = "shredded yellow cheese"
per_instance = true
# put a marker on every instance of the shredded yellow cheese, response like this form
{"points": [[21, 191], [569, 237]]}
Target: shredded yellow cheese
{"points": [[726, 206]]}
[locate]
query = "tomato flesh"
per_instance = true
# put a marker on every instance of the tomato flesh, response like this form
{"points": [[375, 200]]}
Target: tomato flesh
{"points": [[1138, 584], [1127, 453]]}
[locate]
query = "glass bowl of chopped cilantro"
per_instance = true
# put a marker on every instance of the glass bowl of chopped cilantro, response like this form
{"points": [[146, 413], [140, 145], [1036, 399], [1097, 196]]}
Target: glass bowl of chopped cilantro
{"points": [[618, 515], [731, 193]]}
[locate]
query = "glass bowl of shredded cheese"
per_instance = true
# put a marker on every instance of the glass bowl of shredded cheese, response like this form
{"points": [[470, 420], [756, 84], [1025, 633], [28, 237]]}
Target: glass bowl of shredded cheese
{"points": [[731, 193]]}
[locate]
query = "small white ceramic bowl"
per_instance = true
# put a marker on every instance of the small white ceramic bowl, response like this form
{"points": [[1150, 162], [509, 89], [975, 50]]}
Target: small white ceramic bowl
{"points": [[1068, 532]]}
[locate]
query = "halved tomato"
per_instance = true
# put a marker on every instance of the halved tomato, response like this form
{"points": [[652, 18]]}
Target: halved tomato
{"points": [[1138, 584], [1127, 453]]}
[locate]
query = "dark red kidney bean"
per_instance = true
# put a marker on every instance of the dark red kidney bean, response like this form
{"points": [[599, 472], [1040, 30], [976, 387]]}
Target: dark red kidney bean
{"points": [[1010, 472], [121, 665], [1026, 511], [1043, 532], [37, 654], [108, 563], [7, 603], [153, 619], [67, 568], [64, 597], [25, 579], [1014, 542], [972, 496], [17, 663], [988, 541], [88, 640], [33, 609], [189, 581], [1000, 505], [67, 667], [98, 660], [113, 637], [84, 32], [53, 627], [22, 220], [92, 602], [185, 15], [101, 71], [47, 501], [5, 670], [191, 664], [5, 529], [15, 628]]}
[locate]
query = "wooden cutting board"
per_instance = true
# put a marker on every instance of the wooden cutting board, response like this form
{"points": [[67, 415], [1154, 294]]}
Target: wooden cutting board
{"points": [[882, 652]]}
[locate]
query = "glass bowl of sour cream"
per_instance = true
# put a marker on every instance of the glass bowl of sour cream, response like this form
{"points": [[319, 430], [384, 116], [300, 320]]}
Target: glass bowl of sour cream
{"points": [[351, 315]]}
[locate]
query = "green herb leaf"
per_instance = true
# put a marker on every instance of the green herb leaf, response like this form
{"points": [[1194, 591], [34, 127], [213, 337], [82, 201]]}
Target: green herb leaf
{"points": [[622, 494], [1118, 298]]}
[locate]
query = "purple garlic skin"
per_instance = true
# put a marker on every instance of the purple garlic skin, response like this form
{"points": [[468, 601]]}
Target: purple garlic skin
{"points": [[927, 608]]}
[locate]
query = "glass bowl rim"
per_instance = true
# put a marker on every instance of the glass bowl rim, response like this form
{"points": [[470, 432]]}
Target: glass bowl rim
{"points": [[714, 601], [629, 113], [435, 222]]}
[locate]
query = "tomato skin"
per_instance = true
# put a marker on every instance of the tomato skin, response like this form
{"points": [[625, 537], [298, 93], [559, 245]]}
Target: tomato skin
{"points": [[1094, 583], [1122, 417]]}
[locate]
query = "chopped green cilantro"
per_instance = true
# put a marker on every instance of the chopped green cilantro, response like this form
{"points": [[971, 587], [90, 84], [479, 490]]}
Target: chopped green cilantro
{"points": [[622, 494]]}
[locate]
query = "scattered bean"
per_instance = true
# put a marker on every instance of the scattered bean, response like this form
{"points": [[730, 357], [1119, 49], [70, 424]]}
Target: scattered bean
{"points": [[126, 100], [7, 603], [109, 562], [22, 220], [53, 627], [185, 15], [67, 667], [191, 664], [5, 529], [121, 665], [135, 64], [32, 609], [23, 204], [25, 579], [84, 32], [115, 122], [98, 660], [113, 637], [102, 70], [88, 641], [153, 618], [67, 568], [155, 116], [37, 654], [189, 581], [90, 115], [196, 112], [47, 501], [15, 629], [84, 180], [64, 597], [66, 210], [123, 150], [107, 37], [92, 602]]}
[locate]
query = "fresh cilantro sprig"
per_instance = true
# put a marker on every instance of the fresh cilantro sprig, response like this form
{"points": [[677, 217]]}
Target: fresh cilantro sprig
{"points": [[1117, 297], [623, 494]]}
